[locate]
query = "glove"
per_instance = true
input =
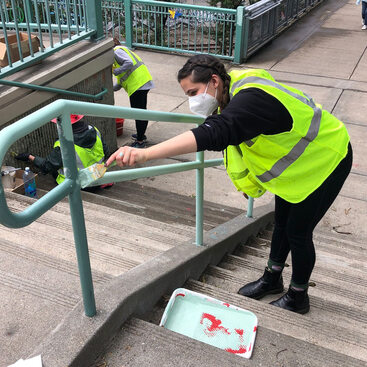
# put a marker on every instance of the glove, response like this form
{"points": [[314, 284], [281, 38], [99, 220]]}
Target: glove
{"points": [[22, 157]]}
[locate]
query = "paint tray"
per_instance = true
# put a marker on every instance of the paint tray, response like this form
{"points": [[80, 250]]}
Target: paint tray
{"points": [[211, 321]]}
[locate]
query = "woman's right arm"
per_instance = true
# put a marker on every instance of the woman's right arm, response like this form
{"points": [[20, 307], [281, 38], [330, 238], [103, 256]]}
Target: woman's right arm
{"points": [[180, 144]]}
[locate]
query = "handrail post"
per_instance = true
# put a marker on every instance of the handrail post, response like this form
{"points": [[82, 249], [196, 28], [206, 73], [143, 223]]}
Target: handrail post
{"points": [[240, 34], [199, 199], [128, 24], [77, 216], [94, 16], [250, 207], [82, 253], [246, 35]]}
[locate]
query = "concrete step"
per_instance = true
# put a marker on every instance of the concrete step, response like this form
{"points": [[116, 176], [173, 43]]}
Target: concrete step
{"points": [[141, 343], [331, 246], [331, 334], [36, 294], [157, 204], [325, 334], [343, 310], [253, 267]]}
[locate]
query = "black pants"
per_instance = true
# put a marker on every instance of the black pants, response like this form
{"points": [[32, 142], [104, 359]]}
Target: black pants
{"points": [[139, 100], [294, 223]]}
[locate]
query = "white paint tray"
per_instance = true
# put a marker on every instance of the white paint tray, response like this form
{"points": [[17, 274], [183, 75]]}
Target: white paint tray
{"points": [[211, 321]]}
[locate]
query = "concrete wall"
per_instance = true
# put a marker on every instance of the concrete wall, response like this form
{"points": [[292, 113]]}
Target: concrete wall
{"points": [[84, 67]]}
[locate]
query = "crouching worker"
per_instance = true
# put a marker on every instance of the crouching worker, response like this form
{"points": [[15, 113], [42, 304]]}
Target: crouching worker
{"points": [[89, 149]]}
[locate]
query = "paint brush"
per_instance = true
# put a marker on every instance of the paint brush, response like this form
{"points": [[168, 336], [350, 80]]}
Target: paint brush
{"points": [[93, 173]]}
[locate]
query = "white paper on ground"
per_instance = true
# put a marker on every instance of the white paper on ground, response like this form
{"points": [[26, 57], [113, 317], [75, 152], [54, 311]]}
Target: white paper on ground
{"points": [[33, 362]]}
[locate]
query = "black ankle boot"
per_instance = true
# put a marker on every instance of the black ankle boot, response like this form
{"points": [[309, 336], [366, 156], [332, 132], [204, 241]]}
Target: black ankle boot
{"points": [[296, 301], [270, 283]]}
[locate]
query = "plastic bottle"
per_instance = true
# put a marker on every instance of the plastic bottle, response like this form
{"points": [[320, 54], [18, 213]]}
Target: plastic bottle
{"points": [[29, 183]]}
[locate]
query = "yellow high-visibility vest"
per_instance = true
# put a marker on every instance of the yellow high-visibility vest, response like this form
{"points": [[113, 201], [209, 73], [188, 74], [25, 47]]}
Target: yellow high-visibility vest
{"points": [[85, 157], [134, 78], [290, 164]]}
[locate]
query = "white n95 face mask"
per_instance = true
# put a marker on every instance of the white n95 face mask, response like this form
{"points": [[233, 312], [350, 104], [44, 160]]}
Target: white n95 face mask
{"points": [[203, 104]]}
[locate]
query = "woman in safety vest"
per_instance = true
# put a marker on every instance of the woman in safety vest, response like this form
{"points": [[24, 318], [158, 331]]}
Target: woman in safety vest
{"points": [[274, 138], [133, 76]]}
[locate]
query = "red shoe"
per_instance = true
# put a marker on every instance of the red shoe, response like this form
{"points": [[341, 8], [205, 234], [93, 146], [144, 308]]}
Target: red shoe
{"points": [[106, 186]]}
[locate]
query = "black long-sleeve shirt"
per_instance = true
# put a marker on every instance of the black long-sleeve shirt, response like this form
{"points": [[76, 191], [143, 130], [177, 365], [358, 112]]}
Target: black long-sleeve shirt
{"points": [[85, 139], [249, 113]]}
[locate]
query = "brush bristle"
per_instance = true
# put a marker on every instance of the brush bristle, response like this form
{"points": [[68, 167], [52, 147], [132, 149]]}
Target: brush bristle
{"points": [[91, 173], [97, 170]]}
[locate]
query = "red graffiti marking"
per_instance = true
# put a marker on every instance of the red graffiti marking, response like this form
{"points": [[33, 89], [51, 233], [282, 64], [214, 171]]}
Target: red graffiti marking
{"points": [[240, 350], [255, 328], [249, 348], [226, 304], [180, 294], [215, 325], [240, 333]]}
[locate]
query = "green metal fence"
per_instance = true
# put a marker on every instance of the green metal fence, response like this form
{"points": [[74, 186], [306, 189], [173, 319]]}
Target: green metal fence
{"points": [[226, 33], [32, 30], [232, 34]]}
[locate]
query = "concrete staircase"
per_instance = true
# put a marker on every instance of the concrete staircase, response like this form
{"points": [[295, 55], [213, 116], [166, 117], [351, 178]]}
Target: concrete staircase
{"points": [[127, 226], [333, 333]]}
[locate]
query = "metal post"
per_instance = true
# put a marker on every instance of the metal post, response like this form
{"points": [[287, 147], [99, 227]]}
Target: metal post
{"points": [[239, 40], [94, 18], [199, 199], [128, 24], [246, 35], [28, 10], [250, 207], [77, 216]]}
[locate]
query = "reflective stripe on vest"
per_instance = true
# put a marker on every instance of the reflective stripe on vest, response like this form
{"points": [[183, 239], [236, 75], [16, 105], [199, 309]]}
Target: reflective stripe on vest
{"points": [[282, 164], [135, 59], [291, 164], [80, 151]]}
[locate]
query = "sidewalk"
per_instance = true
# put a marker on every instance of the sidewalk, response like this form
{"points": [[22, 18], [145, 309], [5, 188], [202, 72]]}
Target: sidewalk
{"points": [[323, 54]]}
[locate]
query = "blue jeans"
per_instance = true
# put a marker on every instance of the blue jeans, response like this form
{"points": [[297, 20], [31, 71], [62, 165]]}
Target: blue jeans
{"points": [[364, 12]]}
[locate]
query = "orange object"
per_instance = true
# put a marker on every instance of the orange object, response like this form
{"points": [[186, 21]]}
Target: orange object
{"points": [[119, 126], [73, 119]]}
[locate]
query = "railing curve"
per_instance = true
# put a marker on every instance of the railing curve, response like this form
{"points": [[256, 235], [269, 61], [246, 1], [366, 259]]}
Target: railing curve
{"points": [[71, 186]]}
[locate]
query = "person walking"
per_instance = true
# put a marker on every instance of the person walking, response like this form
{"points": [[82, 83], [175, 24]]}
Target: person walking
{"points": [[132, 75], [89, 149], [364, 12], [274, 138]]}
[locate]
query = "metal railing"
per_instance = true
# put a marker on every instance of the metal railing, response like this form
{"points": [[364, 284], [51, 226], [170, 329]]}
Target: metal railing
{"points": [[177, 27], [71, 185], [231, 34], [32, 30], [226, 33]]}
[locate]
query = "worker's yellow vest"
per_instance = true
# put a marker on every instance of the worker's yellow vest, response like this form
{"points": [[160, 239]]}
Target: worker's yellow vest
{"points": [[85, 157], [291, 164], [134, 78]]}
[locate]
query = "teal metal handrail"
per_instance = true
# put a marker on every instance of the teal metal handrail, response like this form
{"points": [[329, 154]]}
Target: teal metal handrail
{"points": [[71, 185], [41, 88], [58, 24]]}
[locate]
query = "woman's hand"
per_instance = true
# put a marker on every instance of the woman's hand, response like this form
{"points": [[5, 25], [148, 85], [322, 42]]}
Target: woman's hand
{"points": [[127, 156]]}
